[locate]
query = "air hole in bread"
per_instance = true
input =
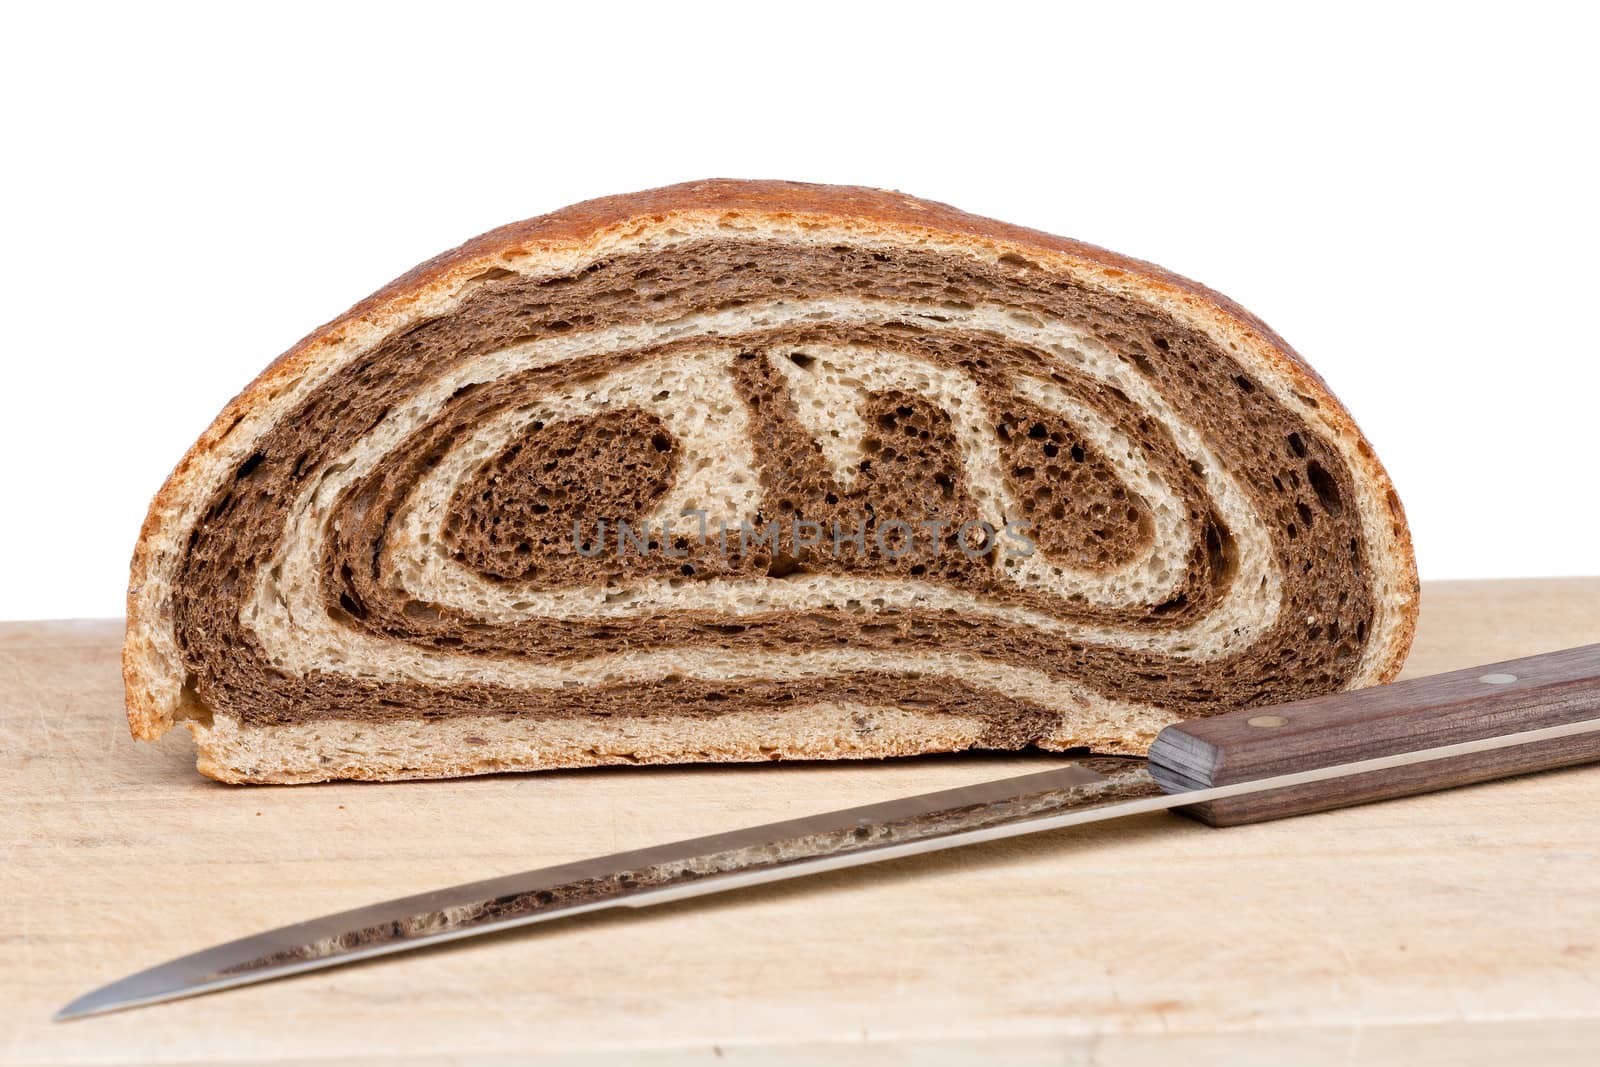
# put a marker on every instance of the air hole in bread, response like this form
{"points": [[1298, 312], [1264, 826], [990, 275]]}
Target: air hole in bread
{"points": [[1327, 490]]}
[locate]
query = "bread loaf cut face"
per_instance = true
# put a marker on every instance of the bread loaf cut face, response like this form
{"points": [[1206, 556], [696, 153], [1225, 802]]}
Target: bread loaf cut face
{"points": [[756, 471]]}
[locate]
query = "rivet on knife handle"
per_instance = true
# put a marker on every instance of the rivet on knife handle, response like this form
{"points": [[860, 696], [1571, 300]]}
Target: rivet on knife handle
{"points": [[1553, 689]]}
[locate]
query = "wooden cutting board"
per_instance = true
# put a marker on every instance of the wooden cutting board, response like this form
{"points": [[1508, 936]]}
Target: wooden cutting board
{"points": [[1460, 927]]}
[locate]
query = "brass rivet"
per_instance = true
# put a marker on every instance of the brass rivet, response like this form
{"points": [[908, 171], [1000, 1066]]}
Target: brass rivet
{"points": [[1268, 720], [1497, 679]]}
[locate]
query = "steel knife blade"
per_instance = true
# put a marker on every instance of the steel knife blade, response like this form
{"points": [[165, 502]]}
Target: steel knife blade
{"points": [[1410, 737]]}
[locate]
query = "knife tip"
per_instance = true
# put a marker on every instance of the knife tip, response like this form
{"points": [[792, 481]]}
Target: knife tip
{"points": [[98, 1002], [78, 1009]]}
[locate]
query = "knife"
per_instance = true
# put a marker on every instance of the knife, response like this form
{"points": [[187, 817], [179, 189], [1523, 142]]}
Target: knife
{"points": [[1332, 751]]}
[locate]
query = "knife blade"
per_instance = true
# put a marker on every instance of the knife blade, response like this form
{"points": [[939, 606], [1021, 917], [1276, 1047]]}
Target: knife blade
{"points": [[1432, 733]]}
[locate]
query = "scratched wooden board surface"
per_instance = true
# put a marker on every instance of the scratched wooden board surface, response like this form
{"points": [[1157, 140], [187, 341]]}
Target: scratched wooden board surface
{"points": [[1452, 928]]}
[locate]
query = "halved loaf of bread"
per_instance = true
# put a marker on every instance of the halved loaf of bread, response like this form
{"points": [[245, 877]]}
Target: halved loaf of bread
{"points": [[759, 470]]}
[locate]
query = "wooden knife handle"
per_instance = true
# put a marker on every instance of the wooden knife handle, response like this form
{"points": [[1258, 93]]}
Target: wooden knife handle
{"points": [[1553, 689]]}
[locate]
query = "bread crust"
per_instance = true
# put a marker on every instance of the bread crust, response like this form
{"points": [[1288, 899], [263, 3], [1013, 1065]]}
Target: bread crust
{"points": [[153, 680]]}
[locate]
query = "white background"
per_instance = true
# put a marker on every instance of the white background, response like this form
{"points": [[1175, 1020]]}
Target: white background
{"points": [[1407, 195]]}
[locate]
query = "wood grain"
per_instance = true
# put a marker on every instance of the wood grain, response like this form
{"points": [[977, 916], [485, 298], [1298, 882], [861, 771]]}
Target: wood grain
{"points": [[1453, 928], [1484, 701]]}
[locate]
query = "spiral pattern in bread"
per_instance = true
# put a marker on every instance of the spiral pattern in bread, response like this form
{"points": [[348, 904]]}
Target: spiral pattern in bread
{"points": [[757, 470]]}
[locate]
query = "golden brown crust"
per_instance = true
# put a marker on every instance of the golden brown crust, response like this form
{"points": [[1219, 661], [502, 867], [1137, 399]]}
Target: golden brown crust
{"points": [[748, 203]]}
